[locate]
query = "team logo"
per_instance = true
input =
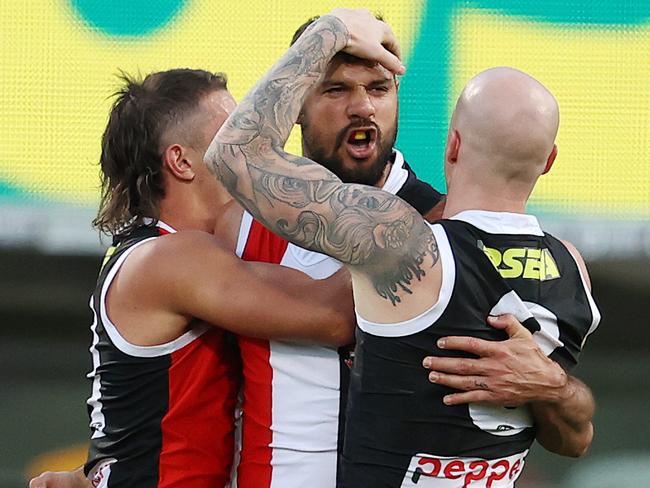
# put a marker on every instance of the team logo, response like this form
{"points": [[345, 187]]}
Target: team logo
{"points": [[522, 262]]}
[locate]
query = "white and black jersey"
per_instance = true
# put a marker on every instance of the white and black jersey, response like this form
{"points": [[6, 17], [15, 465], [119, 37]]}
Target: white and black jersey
{"points": [[399, 432]]}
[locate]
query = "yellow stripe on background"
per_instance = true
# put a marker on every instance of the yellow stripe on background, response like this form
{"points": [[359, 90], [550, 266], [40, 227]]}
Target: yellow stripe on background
{"points": [[57, 74], [600, 76]]}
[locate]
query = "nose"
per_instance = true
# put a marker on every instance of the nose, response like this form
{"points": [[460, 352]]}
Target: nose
{"points": [[360, 104]]}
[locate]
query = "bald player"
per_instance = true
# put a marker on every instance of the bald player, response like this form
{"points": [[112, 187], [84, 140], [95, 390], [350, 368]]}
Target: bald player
{"points": [[416, 283]]}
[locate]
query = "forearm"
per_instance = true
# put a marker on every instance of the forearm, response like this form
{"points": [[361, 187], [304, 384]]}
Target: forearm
{"points": [[564, 426], [263, 120], [247, 153]]}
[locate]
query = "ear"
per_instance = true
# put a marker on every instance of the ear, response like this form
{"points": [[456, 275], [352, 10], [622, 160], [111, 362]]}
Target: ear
{"points": [[175, 160], [453, 146], [300, 117], [550, 160]]}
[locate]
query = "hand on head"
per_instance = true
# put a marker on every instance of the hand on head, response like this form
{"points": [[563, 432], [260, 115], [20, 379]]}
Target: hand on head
{"points": [[370, 38]]}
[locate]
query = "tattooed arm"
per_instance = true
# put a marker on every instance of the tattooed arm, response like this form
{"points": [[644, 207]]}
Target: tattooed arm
{"points": [[387, 245]]}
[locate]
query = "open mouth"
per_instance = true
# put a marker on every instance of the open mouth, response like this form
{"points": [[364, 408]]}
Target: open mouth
{"points": [[361, 142]]}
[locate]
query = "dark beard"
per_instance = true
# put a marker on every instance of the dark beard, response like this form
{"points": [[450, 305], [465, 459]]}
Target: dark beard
{"points": [[367, 175]]}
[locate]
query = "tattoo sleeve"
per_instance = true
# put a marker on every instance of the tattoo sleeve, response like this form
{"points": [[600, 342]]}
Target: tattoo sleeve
{"points": [[364, 227]]}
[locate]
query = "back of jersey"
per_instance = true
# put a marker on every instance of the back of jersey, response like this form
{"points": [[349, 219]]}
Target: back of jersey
{"points": [[399, 432]]}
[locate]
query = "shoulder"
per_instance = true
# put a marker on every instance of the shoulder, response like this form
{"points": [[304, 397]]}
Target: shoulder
{"points": [[582, 266], [166, 255]]}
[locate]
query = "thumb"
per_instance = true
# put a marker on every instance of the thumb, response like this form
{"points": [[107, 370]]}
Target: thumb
{"points": [[509, 324]]}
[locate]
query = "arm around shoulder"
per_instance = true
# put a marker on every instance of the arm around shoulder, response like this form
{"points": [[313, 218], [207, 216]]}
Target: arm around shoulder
{"points": [[256, 299]]}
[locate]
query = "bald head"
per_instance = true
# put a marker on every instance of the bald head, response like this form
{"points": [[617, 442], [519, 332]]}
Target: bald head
{"points": [[507, 122]]}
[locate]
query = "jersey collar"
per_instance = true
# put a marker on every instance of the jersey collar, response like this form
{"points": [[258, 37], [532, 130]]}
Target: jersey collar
{"points": [[397, 175], [501, 222], [159, 223]]}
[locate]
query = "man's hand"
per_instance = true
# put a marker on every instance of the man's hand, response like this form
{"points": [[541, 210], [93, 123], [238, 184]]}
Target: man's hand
{"points": [[370, 38], [508, 373], [61, 479]]}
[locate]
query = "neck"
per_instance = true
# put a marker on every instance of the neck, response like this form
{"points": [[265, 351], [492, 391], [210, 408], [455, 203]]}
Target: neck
{"points": [[481, 197], [189, 215], [178, 219]]}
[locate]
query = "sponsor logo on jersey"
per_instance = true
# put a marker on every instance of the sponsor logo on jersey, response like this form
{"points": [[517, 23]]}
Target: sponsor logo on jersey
{"points": [[522, 262], [444, 472]]}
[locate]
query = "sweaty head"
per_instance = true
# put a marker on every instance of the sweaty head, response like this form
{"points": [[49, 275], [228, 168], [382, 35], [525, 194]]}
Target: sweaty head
{"points": [[507, 122]]}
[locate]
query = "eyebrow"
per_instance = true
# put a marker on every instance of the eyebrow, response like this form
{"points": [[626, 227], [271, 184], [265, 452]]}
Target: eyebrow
{"points": [[373, 83]]}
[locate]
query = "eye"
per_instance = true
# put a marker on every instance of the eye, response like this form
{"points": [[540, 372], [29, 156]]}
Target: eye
{"points": [[379, 90], [334, 90]]}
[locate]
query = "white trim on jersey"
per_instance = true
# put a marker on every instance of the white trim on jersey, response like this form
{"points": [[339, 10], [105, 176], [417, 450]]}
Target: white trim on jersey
{"points": [[120, 342], [425, 319], [97, 420], [501, 222], [244, 230], [318, 266], [397, 175], [595, 313]]}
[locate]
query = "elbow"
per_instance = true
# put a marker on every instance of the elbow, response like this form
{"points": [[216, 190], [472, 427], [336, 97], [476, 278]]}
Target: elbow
{"points": [[581, 446], [577, 445]]}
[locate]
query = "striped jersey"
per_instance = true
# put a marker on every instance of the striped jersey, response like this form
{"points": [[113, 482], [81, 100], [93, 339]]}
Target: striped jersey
{"points": [[294, 394], [399, 433], [160, 416]]}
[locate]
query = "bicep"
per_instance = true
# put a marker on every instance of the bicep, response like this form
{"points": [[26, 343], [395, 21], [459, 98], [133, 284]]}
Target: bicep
{"points": [[259, 300]]}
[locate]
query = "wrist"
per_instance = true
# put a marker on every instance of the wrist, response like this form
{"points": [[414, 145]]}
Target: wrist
{"points": [[563, 389], [334, 22]]}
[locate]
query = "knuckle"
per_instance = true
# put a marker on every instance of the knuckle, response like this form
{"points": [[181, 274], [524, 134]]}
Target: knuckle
{"points": [[463, 367]]}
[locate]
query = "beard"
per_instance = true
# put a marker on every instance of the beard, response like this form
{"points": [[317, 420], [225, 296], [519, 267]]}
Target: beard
{"points": [[368, 174]]}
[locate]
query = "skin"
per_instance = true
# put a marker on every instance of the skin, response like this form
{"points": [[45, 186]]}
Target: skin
{"points": [[391, 256], [562, 405], [202, 268], [178, 280], [352, 95], [384, 242], [512, 118]]}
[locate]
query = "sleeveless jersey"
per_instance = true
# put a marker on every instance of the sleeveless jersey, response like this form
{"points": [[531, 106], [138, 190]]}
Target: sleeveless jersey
{"points": [[294, 395], [160, 416], [399, 433]]}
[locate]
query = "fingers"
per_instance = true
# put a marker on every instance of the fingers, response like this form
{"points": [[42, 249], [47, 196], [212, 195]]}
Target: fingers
{"points": [[40, 481], [472, 345], [462, 366], [509, 324], [36, 483], [392, 53], [474, 396], [465, 383], [370, 38], [390, 41], [390, 61]]}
